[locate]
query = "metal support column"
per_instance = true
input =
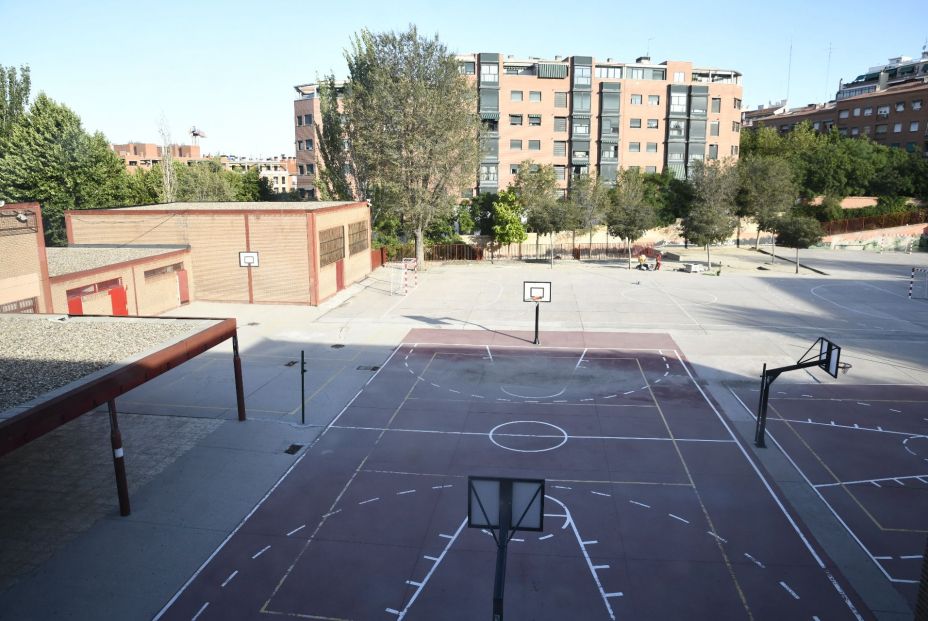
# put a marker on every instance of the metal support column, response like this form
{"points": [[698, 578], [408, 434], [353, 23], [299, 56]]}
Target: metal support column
{"points": [[239, 384], [537, 306], [505, 520], [302, 387], [119, 462]]}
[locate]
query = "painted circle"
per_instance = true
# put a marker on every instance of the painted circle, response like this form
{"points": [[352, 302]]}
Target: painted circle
{"points": [[917, 446], [515, 436]]}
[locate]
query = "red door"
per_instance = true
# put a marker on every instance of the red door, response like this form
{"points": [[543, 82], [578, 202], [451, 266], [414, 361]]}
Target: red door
{"points": [[75, 306], [120, 303], [340, 275], [183, 286]]}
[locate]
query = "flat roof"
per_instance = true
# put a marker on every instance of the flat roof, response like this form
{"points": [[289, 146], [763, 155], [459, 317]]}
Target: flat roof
{"points": [[83, 258], [233, 206], [43, 353]]}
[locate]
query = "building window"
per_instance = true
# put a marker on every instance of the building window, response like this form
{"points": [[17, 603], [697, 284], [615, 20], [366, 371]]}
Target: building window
{"points": [[651, 147], [299, 145], [678, 77], [331, 245], [534, 120], [560, 100], [582, 102], [882, 112], [513, 169], [307, 119], [515, 145], [560, 123], [610, 152], [582, 76], [560, 173], [868, 111], [713, 152], [716, 104], [652, 124], [534, 145], [866, 130], [913, 126], [734, 149], [581, 155], [881, 129], [310, 169], [843, 114], [897, 128], [300, 168], [737, 104], [900, 106], [560, 147], [714, 128], [489, 172], [678, 103], [609, 127], [634, 147], [677, 129], [634, 123], [309, 145], [636, 100], [299, 120], [489, 73], [916, 104], [357, 237], [534, 96], [467, 68], [654, 100], [856, 111], [24, 306], [735, 126], [609, 72], [650, 169], [515, 119], [515, 96], [581, 126]]}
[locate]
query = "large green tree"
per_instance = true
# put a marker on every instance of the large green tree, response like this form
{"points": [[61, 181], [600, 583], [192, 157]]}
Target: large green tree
{"points": [[14, 98], [798, 232], [507, 221], [711, 218], [412, 124], [336, 177], [536, 187], [766, 191], [587, 201], [630, 213], [49, 158]]}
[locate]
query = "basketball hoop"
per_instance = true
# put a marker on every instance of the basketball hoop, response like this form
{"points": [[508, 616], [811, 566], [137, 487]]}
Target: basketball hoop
{"points": [[536, 298], [844, 367]]}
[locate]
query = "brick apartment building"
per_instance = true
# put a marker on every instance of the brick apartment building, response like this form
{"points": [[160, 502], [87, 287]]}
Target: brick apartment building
{"points": [[280, 172], [137, 155], [580, 115], [887, 104]]}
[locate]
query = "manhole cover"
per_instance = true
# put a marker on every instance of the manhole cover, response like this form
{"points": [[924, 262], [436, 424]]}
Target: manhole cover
{"points": [[293, 449], [337, 346], [365, 367]]}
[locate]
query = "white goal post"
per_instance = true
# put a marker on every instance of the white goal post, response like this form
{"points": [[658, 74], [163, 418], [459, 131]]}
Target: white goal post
{"points": [[918, 284]]}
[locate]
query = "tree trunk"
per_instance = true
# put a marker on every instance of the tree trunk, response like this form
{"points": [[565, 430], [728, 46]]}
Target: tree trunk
{"points": [[738, 238], [708, 260], [773, 249], [591, 242], [797, 260], [420, 249], [757, 241], [537, 256], [628, 246]]}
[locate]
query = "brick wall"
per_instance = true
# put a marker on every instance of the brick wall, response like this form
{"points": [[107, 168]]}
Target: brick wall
{"points": [[283, 272], [21, 273], [357, 265]]}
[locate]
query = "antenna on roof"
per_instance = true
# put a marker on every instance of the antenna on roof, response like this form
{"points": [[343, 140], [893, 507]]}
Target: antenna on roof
{"points": [[827, 72], [195, 134], [789, 71]]}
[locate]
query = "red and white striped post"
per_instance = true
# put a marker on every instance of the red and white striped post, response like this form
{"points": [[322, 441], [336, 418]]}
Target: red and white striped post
{"points": [[119, 462]]}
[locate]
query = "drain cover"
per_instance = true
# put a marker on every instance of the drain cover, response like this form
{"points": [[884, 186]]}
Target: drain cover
{"points": [[293, 449], [337, 346], [365, 367]]}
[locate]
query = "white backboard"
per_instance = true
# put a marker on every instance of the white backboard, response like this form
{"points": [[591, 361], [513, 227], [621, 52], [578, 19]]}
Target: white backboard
{"points": [[248, 259], [533, 291], [485, 497]]}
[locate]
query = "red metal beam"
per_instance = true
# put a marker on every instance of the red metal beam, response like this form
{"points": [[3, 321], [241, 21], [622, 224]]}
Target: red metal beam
{"points": [[44, 417]]}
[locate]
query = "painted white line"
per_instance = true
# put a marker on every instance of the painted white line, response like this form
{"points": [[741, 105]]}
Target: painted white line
{"points": [[755, 561], [616, 594], [911, 556], [844, 597], [443, 535], [579, 362], [331, 513], [434, 384], [555, 515], [789, 590], [875, 484], [560, 401], [260, 552], [441, 486], [810, 396], [364, 502], [594, 542], [392, 612], [199, 612], [640, 504], [601, 494], [425, 580], [628, 392], [883, 558], [229, 579], [598, 567], [896, 411], [413, 583], [431, 558], [454, 391], [408, 491], [562, 487], [477, 396], [711, 534], [516, 539], [610, 396], [873, 481], [296, 530], [677, 517], [585, 399], [489, 353], [899, 482], [922, 479], [862, 403], [543, 537]]}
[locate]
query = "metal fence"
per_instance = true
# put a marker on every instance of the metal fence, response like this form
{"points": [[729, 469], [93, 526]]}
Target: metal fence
{"points": [[519, 252], [869, 223]]}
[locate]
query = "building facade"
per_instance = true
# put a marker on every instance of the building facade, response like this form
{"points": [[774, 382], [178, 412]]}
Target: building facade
{"points": [[137, 155], [581, 115], [280, 172], [24, 285]]}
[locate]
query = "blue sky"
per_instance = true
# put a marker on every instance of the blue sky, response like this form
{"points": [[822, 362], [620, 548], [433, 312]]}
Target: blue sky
{"points": [[229, 67]]}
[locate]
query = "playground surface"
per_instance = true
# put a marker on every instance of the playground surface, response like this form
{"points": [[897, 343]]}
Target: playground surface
{"points": [[642, 517], [864, 450]]}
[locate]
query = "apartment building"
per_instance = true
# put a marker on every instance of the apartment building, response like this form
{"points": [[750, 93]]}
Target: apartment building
{"points": [[280, 172], [580, 115], [137, 155]]}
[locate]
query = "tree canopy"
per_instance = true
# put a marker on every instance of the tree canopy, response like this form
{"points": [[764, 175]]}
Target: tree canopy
{"points": [[797, 232], [711, 218], [14, 98], [630, 213]]}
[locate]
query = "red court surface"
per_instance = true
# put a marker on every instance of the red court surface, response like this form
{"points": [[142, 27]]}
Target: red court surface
{"points": [[653, 508], [864, 449]]}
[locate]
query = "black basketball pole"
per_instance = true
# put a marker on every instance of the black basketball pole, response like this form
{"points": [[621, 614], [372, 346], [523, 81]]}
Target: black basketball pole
{"points": [[302, 387], [505, 520], [537, 305], [767, 379]]}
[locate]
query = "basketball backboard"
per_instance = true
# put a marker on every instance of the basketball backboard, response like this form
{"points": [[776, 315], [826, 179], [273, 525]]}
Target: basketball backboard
{"points": [[248, 259], [829, 357], [486, 495], [536, 291]]}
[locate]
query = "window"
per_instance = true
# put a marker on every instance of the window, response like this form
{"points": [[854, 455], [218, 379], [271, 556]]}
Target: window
{"points": [[515, 96], [331, 245], [534, 120], [310, 169], [634, 147], [843, 114], [26, 305], [652, 124], [610, 102], [581, 126], [678, 77], [299, 145], [651, 147], [675, 155], [714, 128], [534, 145], [581, 102], [300, 168], [913, 126], [868, 111], [609, 72], [677, 129], [734, 149], [897, 127], [560, 100], [515, 145], [866, 130], [610, 152], [650, 169], [466, 68], [488, 172], [513, 169], [582, 76], [609, 127], [735, 126], [309, 145], [560, 147], [881, 129], [737, 104], [856, 111], [534, 96], [515, 119], [716, 104], [635, 73], [916, 104], [654, 100], [713, 152], [299, 120], [581, 154], [900, 106], [489, 73], [678, 103], [357, 237], [634, 123], [560, 173], [698, 104], [636, 100], [490, 125], [560, 123], [882, 111], [307, 119]]}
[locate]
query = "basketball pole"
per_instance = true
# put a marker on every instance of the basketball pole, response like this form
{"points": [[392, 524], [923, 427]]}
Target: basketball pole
{"points": [[505, 521], [302, 387], [537, 307]]}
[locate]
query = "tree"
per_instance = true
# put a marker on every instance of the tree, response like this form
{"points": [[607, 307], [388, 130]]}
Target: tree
{"points": [[206, 181], [49, 158], [587, 203], [798, 232], [536, 187], [336, 178], [629, 214], [711, 218], [14, 98], [412, 122], [507, 221], [253, 187], [766, 191]]}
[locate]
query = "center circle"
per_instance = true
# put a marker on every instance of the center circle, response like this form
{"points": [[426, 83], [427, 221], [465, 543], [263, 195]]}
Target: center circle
{"points": [[916, 445], [527, 440]]}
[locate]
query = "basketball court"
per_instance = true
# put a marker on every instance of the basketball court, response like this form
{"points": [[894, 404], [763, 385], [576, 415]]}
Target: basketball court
{"points": [[864, 449], [653, 510]]}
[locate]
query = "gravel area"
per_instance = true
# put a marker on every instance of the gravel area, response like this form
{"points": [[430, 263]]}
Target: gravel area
{"points": [[78, 259], [40, 354]]}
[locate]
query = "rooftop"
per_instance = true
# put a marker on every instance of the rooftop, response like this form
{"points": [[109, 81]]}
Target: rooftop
{"points": [[233, 206], [82, 258]]}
